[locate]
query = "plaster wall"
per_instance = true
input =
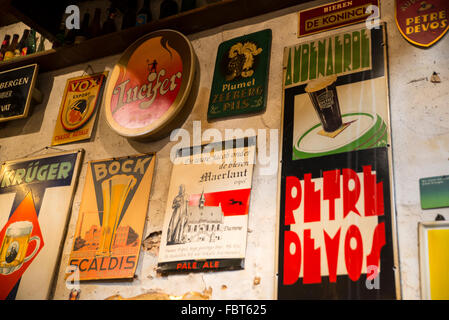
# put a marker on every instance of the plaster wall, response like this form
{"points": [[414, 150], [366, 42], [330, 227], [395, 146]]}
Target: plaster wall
{"points": [[420, 136]]}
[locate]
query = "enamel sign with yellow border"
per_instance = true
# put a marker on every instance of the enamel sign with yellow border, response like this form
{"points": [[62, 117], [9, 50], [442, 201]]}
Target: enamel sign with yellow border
{"points": [[147, 92], [335, 15], [111, 217], [82, 97], [422, 23]]}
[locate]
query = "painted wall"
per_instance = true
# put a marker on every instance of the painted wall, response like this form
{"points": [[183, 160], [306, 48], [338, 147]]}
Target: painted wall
{"points": [[420, 133]]}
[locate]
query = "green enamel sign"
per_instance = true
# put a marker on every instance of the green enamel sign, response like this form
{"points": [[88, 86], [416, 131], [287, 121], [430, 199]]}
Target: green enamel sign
{"points": [[434, 192], [240, 81]]}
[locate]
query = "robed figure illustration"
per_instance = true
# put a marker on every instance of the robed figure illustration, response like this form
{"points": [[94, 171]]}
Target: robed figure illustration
{"points": [[178, 219]]}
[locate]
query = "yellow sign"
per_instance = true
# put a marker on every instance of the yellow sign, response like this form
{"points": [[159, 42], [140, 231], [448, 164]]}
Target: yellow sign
{"points": [[438, 246], [82, 97], [434, 259], [111, 218]]}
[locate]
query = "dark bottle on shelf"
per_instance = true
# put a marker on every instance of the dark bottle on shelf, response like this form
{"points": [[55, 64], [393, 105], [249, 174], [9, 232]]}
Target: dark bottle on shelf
{"points": [[168, 8], [31, 42], [83, 33], [41, 46], [22, 48], [60, 37], [9, 54], [109, 24], [95, 26], [187, 5], [144, 14], [129, 18], [5, 45]]}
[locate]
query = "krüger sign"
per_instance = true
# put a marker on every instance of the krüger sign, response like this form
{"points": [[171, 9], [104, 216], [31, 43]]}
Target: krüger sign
{"points": [[147, 92]]}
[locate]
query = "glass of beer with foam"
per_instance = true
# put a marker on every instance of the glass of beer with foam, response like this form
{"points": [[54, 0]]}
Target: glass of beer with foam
{"points": [[15, 245], [323, 94], [115, 193]]}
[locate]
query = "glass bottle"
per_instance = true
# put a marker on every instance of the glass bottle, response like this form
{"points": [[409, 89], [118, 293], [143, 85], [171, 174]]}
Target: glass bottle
{"points": [[129, 18], [9, 54], [41, 46], [70, 36], [31, 42], [84, 30], [187, 5], [22, 48], [168, 8], [144, 14], [95, 26], [62, 33], [109, 24], [5, 45]]}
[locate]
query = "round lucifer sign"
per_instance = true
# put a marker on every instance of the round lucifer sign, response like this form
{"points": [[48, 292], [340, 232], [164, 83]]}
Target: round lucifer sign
{"points": [[149, 85]]}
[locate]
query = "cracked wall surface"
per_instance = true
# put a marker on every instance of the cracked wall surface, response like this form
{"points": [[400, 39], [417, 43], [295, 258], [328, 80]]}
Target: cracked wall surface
{"points": [[420, 139]]}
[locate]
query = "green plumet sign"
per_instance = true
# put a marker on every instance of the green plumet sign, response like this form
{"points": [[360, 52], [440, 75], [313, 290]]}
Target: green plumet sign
{"points": [[241, 76]]}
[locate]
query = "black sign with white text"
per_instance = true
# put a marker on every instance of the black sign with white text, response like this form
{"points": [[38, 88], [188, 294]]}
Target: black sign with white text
{"points": [[16, 88]]}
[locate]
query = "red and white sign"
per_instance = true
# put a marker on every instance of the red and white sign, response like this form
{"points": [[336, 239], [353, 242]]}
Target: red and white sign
{"points": [[149, 85], [334, 227]]}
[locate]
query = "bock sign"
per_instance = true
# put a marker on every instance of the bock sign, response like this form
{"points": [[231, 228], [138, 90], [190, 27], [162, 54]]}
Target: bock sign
{"points": [[111, 217]]}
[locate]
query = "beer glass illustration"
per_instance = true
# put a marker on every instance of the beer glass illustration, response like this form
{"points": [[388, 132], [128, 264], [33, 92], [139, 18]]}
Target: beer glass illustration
{"points": [[323, 94], [115, 193], [15, 245]]}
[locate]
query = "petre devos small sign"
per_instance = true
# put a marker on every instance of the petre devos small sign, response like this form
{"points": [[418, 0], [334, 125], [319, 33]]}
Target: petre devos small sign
{"points": [[422, 23]]}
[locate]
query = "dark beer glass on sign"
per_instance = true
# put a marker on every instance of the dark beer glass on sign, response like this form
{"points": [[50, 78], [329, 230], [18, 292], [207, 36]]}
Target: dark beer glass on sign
{"points": [[323, 94]]}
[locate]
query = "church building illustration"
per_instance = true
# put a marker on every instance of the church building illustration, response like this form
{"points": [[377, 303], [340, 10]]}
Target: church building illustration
{"points": [[194, 223]]}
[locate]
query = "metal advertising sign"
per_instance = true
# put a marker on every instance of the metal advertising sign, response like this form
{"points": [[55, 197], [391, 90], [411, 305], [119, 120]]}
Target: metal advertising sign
{"points": [[206, 220], [335, 15], [149, 86], [433, 239], [81, 100], [336, 93], [434, 192], [35, 201], [240, 83], [336, 218], [422, 23], [336, 231], [112, 217], [16, 90]]}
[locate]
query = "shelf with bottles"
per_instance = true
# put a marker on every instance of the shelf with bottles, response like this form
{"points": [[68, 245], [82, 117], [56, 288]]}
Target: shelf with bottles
{"points": [[29, 44], [103, 17], [112, 28]]}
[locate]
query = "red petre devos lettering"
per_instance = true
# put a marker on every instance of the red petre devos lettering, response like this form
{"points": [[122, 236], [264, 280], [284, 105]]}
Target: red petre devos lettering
{"points": [[347, 186]]}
